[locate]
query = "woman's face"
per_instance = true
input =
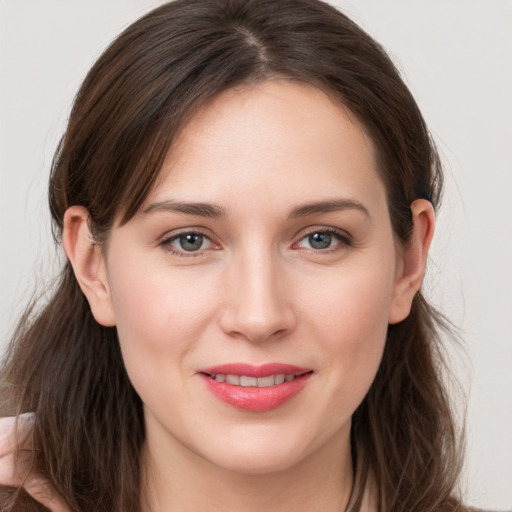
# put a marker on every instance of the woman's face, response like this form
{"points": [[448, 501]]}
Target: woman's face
{"points": [[264, 253]]}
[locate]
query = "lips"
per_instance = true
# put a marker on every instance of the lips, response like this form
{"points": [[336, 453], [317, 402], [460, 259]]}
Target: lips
{"points": [[255, 388]]}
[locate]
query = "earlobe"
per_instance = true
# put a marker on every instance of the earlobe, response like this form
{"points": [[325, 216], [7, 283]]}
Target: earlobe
{"points": [[88, 262], [413, 261]]}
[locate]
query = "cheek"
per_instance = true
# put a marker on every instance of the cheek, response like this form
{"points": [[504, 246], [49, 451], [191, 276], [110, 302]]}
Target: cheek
{"points": [[141, 311], [358, 345], [352, 303], [157, 328], [159, 315], [155, 302], [349, 317]]}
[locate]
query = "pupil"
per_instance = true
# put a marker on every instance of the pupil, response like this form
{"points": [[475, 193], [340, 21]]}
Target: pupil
{"points": [[191, 242], [320, 240]]}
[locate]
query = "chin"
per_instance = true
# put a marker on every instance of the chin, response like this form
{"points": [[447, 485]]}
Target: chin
{"points": [[258, 465], [256, 456]]}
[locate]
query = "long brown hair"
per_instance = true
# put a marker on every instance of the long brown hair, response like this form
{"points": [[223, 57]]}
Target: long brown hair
{"points": [[68, 369]]}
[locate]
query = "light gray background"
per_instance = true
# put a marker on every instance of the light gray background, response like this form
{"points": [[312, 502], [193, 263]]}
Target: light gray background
{"points": [[455, 55]]}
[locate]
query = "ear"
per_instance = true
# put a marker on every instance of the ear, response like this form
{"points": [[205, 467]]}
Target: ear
{"points": [[88, 262], [412, 261]]}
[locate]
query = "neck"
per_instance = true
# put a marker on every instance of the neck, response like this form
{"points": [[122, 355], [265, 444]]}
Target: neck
{"points": [[177, 479]]}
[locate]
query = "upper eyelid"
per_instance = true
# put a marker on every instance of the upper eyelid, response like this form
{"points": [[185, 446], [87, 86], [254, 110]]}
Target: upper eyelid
{"points": [[166, 243], [322, 229], [344, 240], [172, 235]]}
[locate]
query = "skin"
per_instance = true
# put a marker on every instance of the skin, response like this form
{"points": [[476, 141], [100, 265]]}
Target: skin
{"points": [[16, 466], [256, 291]]}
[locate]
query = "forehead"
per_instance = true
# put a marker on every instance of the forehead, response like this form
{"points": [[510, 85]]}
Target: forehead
{"points": [[272, 138]]}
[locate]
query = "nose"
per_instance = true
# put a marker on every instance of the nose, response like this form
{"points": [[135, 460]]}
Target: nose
{"points": [[259, 305]]}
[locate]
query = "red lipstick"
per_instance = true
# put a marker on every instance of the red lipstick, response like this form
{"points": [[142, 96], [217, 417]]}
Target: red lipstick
{"points": [[255, 388]]}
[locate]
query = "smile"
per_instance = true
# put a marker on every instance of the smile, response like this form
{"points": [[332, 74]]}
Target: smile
{"points": [[255, 388], [256, 382]]}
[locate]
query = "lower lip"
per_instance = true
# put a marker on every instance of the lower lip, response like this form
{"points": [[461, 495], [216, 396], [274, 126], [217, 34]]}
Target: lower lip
{"points": [[256, 399]]}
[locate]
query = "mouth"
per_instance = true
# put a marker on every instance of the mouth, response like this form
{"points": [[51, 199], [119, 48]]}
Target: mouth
{"points": [[255, 388], [255, 382]]}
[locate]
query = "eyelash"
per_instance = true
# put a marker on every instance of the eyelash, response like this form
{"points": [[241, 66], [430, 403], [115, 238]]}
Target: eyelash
{"points": [[166, 244], [344, 241]]}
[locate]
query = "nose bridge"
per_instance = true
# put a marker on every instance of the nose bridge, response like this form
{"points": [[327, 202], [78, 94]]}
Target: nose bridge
{"points": [[259, 305]]}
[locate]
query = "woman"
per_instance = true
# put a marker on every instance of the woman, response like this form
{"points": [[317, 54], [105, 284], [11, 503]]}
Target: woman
{"points": [[245, 194]]}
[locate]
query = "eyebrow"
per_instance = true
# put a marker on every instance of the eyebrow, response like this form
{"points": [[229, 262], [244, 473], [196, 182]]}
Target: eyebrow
{"points": [[197, 209], [214, 211], [328, 206]]}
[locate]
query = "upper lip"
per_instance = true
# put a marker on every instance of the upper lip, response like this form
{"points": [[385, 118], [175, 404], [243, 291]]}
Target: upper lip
{"points": [[250, 370]]}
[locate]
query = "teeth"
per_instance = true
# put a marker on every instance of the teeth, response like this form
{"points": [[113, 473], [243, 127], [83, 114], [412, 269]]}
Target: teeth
{"points": [[248, 381], [280, 378], [260, 382], [265, 382], [233, 379]]}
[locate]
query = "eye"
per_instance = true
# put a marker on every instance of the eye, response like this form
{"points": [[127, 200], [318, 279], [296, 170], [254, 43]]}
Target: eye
{"points": [[189, 242], [323, 239]]}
